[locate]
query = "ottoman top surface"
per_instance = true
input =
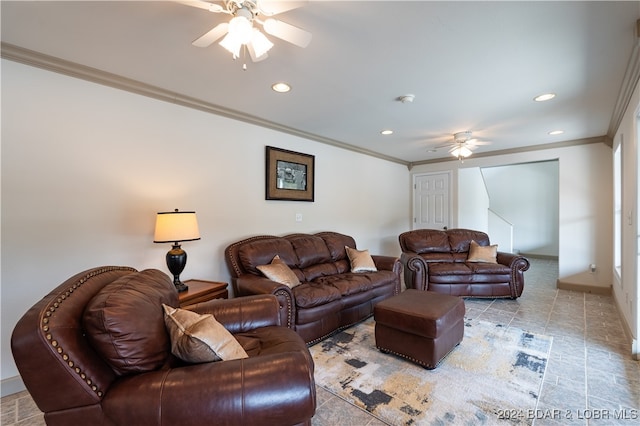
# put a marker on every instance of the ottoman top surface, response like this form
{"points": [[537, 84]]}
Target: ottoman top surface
{"points": [[425, 313]]}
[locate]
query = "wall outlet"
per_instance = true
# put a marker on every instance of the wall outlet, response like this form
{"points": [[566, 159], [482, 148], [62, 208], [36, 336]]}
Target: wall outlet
{"points": [[592, 267], [298, 217]]}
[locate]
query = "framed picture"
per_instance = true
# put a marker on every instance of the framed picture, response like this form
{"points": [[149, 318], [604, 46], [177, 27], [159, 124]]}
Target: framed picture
{"points": [[290, 175]]}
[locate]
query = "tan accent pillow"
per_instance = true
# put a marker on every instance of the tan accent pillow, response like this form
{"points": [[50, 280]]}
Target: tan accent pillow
{"points": [[279, 272], [200, 338], [486, 254], [361, 260]]}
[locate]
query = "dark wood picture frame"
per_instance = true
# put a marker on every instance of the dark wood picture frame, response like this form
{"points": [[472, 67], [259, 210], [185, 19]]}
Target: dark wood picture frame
{"points": [[290, 175]]}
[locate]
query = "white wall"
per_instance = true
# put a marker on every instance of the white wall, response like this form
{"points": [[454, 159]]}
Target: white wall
{"points": [[85, 168], [473, 200], [534, 211], [625, 288], [585, 216]]}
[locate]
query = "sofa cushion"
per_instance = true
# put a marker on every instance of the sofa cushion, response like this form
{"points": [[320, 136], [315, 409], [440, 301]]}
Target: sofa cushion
{"points": [[336, 243], [427, 241], [486, 254], [278, 271], [459, 239], [310, 250], [200, 338], [124, 321], [446, 268], [308, 295], [262, 252], [346, 284], [360, 260]]}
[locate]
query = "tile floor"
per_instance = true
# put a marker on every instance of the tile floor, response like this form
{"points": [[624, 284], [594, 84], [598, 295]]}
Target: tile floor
{"points": [[590, 380]]}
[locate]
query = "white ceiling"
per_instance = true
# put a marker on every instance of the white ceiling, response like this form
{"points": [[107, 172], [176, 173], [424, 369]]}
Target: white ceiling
{"points": [[471, 66]]}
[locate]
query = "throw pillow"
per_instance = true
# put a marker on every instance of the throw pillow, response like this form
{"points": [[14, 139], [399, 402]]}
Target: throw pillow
{"points": [[361, 260], [486, 254], [279, 272], [200, 338]]}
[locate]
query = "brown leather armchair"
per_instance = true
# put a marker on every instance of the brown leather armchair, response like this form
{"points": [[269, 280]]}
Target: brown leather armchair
{"points": [[74, 380]]}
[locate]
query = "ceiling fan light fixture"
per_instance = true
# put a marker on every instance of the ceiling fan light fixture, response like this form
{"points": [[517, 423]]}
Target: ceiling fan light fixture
{"points": [[461, 152], [232, 44], [241, 29], [260, 43]]}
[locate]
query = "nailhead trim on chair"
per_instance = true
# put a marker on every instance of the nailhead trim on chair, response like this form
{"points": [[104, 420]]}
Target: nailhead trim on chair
{"points": [[56, 304]]}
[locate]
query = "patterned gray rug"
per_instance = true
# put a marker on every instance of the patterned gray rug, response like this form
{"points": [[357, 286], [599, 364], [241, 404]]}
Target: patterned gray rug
{"points": [[495, 375]]}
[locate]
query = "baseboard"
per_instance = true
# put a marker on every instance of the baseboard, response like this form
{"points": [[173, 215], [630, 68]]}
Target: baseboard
{"points": [[11, 385], [539, 256], [563, 285], [635, 348]]}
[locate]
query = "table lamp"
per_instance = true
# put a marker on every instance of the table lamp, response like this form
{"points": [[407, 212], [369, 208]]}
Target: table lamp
{"points": [[175, 227]]}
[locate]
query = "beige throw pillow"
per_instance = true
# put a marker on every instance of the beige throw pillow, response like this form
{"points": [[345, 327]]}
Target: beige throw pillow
{"points": [[486, 254], [279, 272], [361, 260], [200, 338]]}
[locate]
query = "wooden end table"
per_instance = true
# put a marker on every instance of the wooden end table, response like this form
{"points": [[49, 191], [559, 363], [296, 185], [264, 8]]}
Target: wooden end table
{"points": [[202, 291]]}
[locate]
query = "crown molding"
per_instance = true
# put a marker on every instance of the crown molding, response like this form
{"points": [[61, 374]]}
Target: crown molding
{"points": [[598, 139], [629, 83], [39, 60]]}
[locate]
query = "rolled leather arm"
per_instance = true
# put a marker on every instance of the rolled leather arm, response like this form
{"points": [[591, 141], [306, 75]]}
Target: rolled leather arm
{"points": [[275, 389], [386, 263], [416, 271], [253, 284], [242, 313], [518, 265]]}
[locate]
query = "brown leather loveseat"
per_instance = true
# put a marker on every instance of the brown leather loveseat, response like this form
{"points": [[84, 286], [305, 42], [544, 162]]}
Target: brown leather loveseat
{"points": [[327, 294], [441, 261], [95, 351]]}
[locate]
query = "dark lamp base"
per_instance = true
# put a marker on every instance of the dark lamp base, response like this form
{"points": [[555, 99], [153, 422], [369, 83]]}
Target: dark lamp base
{"points": [[176, 261]]}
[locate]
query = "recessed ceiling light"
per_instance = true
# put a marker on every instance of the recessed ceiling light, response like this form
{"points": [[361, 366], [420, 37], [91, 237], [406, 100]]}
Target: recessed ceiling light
{"points": [[386, 132], [281, 87], [544, 97], [556, 132]]}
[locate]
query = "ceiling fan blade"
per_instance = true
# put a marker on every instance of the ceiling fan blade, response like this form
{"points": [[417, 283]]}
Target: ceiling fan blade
{"points": [[201, 4], [287, 32], [214, 34], [478, 143], [273, 7]]}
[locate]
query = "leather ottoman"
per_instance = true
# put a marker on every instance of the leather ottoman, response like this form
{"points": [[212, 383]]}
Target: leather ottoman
{"points": [[421, 326]]}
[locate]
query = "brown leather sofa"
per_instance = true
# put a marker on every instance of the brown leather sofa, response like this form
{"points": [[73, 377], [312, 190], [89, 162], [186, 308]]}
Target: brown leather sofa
{"points": [[437, 260], [330, 297], [75, 380]]}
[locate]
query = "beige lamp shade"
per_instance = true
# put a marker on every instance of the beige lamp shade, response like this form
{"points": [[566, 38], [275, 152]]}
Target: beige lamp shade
{"points": [[172, 227]]}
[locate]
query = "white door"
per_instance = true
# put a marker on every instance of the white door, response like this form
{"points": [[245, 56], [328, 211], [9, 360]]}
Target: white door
{"points": [[431, 200]]}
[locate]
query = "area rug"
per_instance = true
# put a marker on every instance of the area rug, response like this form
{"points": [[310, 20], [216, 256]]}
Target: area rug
{"points": [[493, 376]]}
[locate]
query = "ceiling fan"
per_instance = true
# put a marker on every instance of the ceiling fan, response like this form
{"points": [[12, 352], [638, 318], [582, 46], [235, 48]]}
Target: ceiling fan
{"points": [[462, 144], [241, 32]]}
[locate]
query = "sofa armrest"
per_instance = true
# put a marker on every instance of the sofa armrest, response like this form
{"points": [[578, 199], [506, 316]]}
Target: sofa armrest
{"points": [[250, 391], [416, 270], [387, 263], [248, 285], [242, 314], [518, 265], [390, 263]]}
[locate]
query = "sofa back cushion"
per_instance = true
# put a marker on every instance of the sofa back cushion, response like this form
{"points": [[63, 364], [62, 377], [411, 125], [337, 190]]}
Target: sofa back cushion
{"points": [[425, 241], [125, 321], [459, 239], [262, 251], [310, 250]]}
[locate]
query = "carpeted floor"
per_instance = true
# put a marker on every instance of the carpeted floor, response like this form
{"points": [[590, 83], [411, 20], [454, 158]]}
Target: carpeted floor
{"points": [[496, 371]]}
